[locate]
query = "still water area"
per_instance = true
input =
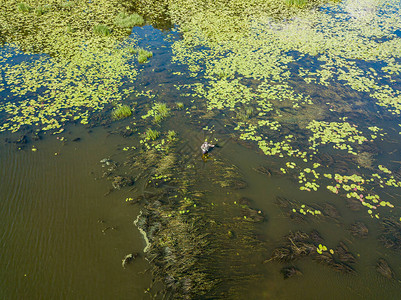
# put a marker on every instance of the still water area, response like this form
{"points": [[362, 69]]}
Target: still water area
{"points": [[299, 198]]}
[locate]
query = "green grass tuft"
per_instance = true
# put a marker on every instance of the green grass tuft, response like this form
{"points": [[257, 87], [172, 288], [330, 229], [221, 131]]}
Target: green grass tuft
{"points": [[143, 55], [101, 29], [22, 6], [121, 112], [297, 3], [128, 21], [151, 134], [171, 135], [180, 105], [42, 9], [161, 109], [67, 4]]}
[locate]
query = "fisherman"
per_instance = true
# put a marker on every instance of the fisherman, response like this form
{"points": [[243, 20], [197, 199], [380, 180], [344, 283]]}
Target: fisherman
{"points": [[206, 147]]}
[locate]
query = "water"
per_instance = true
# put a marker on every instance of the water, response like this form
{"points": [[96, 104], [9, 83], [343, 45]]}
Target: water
{"points": [[53, 212], [65, 230]]}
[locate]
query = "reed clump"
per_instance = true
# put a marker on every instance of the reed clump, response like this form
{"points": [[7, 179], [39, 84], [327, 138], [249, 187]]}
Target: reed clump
{"points": [[42, 9], [102, 29], [128, 21], [180, 105], [151, 134], [121, 112], [161, 112], [296, 3], [22, 6], [143, 54]]}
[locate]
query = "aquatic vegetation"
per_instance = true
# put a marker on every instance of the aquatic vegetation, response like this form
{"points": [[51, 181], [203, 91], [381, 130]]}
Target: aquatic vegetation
{"points": [[176, 221], [359, 229], [151, 134], [102, 29], [384, 269], [91, 66], [46, 31], [91, 78], [143, 55], [391, 233], [340, 134], [300, 244], [171, 135], [128, 21], [23, 7], [159, 111], [121, 112], [297, 3], [119, 182], [42, 9], [179, 105]]}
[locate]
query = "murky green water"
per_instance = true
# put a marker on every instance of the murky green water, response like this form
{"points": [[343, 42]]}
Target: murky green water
{"points": [[304, 112]]}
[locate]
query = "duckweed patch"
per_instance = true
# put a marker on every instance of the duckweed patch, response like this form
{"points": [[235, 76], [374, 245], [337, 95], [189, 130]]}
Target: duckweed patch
{"points": [[84, 72]]}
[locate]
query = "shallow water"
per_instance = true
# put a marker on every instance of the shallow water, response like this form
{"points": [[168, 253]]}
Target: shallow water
{"points": [[53, 214], [65, 230]]}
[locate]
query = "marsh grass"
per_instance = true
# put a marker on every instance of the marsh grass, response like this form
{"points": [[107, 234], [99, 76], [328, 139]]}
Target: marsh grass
{"points": [[245, 113], [171, 135], [121, 112], [102, 29], [128, 21], [22, 6], [297, 3], [67, 4], [143, 54], [151, 134], [42, 9], [161, 111]]}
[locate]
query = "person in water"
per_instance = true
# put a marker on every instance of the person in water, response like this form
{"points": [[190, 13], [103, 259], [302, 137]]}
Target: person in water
{"points": [[205, 150], [206, 147]]}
